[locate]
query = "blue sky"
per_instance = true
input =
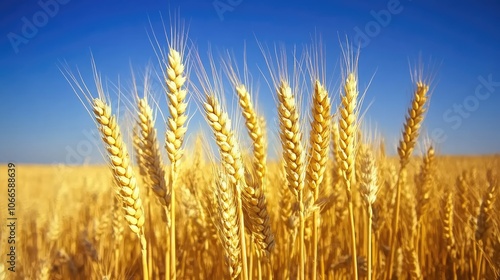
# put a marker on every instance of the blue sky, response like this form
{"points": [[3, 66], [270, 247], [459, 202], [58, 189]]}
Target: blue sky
{"points": [[42, 120]]}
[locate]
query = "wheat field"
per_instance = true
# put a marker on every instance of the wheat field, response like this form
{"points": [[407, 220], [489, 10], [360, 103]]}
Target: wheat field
{"points": [[332, 205]]}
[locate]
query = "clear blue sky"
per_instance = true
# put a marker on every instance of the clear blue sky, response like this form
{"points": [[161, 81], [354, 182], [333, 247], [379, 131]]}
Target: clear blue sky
{"points": [[42, 121]]}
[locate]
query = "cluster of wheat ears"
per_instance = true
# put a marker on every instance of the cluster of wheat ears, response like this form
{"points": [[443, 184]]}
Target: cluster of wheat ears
{"points": [[331, 206]]}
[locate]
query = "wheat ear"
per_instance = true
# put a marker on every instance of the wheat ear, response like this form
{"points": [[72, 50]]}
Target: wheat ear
{"points": [[424, 183], [150, 153], [255, 131], [448, 224], [347, 134], [177, 106], [174, 137], [319, 138], [117, 232], [229, 223], [414, 120], [150, 158], [319, 144], [254, 200], [231, 161], [368, 187], [411, 131], [255, 205], [463, 196], [412, 261], [484, 220], [293, 154], [125, 179]]}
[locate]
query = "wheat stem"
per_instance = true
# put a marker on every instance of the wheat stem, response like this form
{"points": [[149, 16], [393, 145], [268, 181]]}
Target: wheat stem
{"points": [[411, 131]]}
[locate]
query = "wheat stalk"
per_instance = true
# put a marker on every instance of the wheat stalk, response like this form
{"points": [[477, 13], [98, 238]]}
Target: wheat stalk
{"points": [[484, 220], [151, 162], [150, 153], [449, 236], [125, 179], [347, 134], [319, 144], [410, 134], [424, 182], [255, 205], [231, 160], [293, 154], [412, 261], [414, 120], [463, 193], [255, 131], [368, 187], [176, 129], [254, 200]]}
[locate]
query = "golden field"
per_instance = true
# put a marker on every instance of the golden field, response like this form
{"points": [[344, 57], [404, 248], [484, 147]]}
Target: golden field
{"points": [[71, 228]]}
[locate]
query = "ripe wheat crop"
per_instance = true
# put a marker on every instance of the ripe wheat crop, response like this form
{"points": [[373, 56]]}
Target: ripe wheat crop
{"points": [[331, 205]]}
